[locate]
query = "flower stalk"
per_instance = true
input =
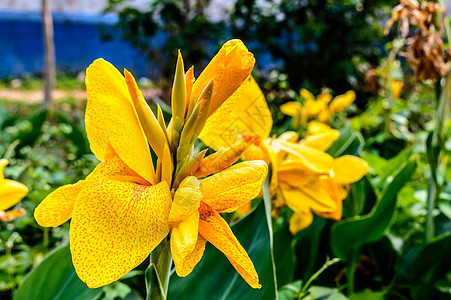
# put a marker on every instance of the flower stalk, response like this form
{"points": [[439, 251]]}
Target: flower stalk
{"points": [[158, 272]]}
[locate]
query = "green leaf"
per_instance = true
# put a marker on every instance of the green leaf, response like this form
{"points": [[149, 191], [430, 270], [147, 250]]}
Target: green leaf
{"points": [[368, 295], [55, 279], [322, 292], [215, 278], [349, 142], [350, 234], [432, 261]]}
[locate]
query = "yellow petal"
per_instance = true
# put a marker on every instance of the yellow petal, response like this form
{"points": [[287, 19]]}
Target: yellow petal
{"points": [[186, 200], [396, 87], [324, 115], [307, 95], [244, 114], [184, 239], [11, 192], [57, 207], [342, 101], [256, 152], [314, 160], [321, 141], [218, 233], [220, 160], [189, 78], [111, 117], [310, 195], [229, 68], [294, 174], [337, 193], [300, 220], [184, 266], [348, 169], [11, 215], [314, 127], [292, 109], [289, 136], [115, 225], [226, 191]]}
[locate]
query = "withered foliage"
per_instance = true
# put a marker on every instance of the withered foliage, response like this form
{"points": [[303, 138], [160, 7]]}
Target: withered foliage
{"points": [[424, 51]]}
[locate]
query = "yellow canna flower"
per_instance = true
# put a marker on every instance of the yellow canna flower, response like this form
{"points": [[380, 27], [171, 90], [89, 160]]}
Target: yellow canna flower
{"points": [[304, 177], [11, 192], [320, 108], [127, 206]]}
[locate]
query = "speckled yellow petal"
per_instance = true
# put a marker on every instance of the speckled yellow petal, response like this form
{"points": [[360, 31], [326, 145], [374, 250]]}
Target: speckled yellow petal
{"points": [[115, 225], [342, 101], [11, 192], [220, 160], [57, 207], [314, 160], [184, 266], [213, 227], [186, 200], [227, 190], [184, 239], [321, 141], [111, 117], [300, 220], [244, 114], [348, 169], [310, 195], [229, 68]]}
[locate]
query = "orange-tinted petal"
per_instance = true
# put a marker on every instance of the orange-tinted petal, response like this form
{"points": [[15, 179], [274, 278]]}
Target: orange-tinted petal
{"points": [[184, 240], [227, 190], [115, 225], [244, 114], [57, 207], [229, 68], [184, 266], [111, 118], [220, 160], [213, 227]]}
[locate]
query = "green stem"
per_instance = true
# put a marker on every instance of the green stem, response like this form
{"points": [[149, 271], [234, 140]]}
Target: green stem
{"points": [[350, 273], [328, 263], [432, 195], [158, 272]]}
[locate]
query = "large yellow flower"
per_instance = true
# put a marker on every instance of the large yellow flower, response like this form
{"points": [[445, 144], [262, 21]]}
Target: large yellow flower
{"points": [[127, 206], [304, 176], [11, 192]]}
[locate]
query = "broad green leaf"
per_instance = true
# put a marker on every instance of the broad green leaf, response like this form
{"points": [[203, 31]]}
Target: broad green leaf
{"points": [[368, 295], [290, 291], [55, 279], [349, 142], [350, 234], [432, 262], [215, 278], [322, 292]]}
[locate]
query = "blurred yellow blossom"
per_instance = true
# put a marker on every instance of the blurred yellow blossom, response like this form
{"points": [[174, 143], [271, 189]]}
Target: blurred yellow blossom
{"points": [[11, 192], [321, 108]]}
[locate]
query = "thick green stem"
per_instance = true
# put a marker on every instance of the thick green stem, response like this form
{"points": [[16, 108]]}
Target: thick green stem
{"points": [[158, 272]]}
